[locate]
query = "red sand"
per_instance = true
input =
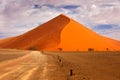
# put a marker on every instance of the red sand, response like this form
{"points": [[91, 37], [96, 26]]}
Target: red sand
{"points": [[61, 32]]}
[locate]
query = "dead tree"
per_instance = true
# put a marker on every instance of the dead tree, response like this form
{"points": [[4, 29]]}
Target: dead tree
{"points": [[60, 49]]}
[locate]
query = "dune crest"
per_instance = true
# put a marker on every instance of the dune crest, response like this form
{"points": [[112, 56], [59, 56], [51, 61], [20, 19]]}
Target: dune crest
{"points": [[61, 32]]}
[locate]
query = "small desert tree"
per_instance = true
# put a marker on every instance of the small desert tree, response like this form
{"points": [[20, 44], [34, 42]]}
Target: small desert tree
{"points": [[107, 49], [32, 48], [60, 49], [90, 49]]}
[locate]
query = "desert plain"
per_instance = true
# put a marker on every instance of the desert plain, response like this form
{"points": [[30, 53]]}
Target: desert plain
{"points": [[43, 65]]}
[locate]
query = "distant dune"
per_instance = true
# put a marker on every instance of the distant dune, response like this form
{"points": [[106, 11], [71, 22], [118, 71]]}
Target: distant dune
{"points": [[61, 33]]}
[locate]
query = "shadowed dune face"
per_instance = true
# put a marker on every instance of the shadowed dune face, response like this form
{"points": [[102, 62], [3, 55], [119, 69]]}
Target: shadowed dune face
{"points": [[6, 41], [44, 36], [61, 32], [50, 37]]}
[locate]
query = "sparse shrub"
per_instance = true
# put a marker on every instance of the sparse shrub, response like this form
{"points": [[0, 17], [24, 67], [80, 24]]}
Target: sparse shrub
{"points": [[60, 49], [90, 49], [32, 48], [107, 49]]}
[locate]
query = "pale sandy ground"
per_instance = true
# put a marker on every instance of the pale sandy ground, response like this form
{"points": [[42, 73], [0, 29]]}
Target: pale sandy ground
{"points": [[91, 66], [30, 66], [34, 65]]}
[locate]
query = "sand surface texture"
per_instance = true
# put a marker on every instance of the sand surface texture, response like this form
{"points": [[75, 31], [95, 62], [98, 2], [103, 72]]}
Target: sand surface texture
{"points": [[91, 66], [34, 65], [61, 32], [31, 66]]}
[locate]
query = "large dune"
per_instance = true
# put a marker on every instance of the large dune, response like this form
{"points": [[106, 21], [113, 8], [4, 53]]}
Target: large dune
{"points": [[61, 32]]}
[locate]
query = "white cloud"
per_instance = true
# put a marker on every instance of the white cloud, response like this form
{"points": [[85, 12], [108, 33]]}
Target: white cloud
{"points": [[18, 16]]}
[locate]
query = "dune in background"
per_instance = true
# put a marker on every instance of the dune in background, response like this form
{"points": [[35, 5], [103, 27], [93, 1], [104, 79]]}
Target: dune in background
{"points": [[61, 32]]}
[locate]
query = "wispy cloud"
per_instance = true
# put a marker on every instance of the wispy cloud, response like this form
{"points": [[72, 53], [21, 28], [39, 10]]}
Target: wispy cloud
{"points": [[17, 16]]}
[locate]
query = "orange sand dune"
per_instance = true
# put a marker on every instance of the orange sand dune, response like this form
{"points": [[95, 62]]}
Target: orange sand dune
{"points": [[61, 32]]}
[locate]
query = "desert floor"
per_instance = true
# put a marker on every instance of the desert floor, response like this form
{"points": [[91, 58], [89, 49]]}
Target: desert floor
{"points": [[35, 65], [29, 65], [90, 65]]}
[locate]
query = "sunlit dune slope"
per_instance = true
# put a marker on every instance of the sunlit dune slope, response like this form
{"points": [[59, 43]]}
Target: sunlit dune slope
{"points": [[76, 36], [61, 32]]}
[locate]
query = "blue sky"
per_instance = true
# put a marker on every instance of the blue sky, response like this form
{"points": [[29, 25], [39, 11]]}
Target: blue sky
{"points": [[19, 16]]}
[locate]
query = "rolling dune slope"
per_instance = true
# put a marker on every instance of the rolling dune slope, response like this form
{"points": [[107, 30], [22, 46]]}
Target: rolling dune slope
{"points": [[61, 32]]}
